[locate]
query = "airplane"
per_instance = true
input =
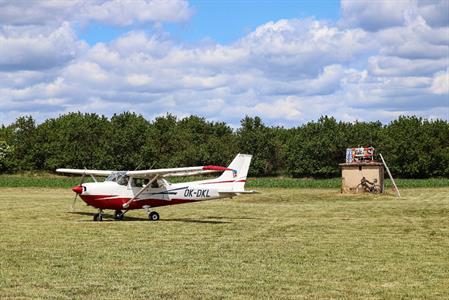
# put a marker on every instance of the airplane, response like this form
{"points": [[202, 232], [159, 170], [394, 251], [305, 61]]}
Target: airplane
{"points": [[122, 191]]}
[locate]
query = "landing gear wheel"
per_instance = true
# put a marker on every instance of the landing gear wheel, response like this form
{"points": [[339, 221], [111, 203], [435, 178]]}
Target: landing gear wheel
{"points": [[98, 217], [118, 215], [153, 216]]}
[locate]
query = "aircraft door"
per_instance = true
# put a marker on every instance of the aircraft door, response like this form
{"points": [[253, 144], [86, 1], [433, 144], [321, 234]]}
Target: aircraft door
{"points": [[161, 190]]}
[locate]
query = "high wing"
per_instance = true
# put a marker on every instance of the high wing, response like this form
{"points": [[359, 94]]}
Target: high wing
{"points": [[86, 172], [188, 171]]}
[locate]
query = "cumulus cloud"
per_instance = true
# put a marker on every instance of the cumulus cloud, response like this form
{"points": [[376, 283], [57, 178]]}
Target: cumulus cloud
{"points": [[362, 67], [301, 48], [37, 12], [435, 12], [440, 83], [117, 12], [374, 15], [34, 49], [127, 12]]}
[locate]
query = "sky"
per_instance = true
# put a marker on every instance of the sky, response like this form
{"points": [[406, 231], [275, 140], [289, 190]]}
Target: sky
{"points": [[287, 61]]}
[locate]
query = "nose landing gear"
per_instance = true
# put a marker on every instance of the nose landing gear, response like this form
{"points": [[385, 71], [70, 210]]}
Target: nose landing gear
{"points": [[118, 214]]}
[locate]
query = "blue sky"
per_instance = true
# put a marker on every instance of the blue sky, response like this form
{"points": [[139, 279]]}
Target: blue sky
{"points": [[223, 21], [227, 21], [287, 61]]}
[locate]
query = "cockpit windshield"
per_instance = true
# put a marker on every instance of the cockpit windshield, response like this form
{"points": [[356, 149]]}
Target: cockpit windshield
{"points": [[119, 177]]}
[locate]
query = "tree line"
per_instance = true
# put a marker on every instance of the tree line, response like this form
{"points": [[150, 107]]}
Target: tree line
{"points": [[413, 147]]}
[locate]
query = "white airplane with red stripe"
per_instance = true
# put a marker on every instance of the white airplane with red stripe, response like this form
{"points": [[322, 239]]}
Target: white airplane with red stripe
{"points": [[122, 191]]}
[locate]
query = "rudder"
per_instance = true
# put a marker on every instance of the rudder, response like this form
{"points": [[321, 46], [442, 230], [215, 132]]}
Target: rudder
{"points": [[240, 166]]}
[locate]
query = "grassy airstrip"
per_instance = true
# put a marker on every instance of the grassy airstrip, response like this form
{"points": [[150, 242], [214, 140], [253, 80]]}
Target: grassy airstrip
{"points": [[282, 243]]}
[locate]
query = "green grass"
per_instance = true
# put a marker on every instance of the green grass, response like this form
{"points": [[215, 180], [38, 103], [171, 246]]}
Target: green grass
{"points": [[55, 181], [282, 243]]}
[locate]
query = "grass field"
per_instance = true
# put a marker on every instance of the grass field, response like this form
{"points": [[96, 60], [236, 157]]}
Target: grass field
{"points": [[282, 243]]}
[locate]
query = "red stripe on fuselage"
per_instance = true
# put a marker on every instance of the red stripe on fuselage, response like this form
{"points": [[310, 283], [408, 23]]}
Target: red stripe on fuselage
{"points": [[108, 202]]}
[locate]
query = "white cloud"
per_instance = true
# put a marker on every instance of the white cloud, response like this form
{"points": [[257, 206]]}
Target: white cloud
{"points": [[435, 12], [396, 66], [139, 79], [440, 83], [37, 12], [35, 49], [127, 12], [286, 108], [117, 12], [374, 15], [302, 48]]}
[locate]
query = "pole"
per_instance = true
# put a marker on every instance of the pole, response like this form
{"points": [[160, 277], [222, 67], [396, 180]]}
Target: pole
{"points": [[391, 177]]}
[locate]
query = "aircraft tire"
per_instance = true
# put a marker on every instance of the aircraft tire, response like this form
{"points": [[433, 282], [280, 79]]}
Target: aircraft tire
{"points": [[118, 215], [153, 216], [98, 217]]}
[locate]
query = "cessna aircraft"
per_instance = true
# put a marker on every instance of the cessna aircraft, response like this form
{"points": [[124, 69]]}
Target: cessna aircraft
{"points": [[145, 189]]}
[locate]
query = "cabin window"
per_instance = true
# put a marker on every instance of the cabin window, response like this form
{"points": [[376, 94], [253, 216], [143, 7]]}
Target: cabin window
{"points": [[137, 182], [123, 180], [119, 177], [112, 177], [155, 185]]}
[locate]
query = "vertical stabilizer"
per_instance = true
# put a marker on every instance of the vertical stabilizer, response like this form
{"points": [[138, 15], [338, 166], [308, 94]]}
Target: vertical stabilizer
{"points": [[240, 167]]}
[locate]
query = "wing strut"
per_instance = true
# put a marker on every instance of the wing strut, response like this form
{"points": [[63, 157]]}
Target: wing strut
{"points": [[126, 205]]}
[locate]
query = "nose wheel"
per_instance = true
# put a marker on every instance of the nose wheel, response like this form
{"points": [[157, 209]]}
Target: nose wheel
{"points": [[153, 216], [118, 215]]}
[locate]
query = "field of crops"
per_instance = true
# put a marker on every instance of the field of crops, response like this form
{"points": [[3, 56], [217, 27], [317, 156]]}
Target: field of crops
{"points": [[55, 181], [282, 243]]}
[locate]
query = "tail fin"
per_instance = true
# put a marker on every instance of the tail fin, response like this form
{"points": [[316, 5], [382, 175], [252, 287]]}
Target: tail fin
{"points": [[240, 167]]}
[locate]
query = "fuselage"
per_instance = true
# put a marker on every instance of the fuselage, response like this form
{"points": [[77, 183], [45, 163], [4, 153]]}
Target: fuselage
{"points": [[114, 195]]}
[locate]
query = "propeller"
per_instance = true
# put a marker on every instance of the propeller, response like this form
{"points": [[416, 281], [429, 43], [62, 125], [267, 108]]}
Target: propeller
{"points": [[72, 207]]}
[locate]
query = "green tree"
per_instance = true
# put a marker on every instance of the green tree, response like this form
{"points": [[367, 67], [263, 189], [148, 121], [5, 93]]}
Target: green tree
{"points": [[404, 147], [253, 137], [189, 141], [436, 147], [5, 153], [129, 133], [317, 148], [24, 143], [74, 140]]}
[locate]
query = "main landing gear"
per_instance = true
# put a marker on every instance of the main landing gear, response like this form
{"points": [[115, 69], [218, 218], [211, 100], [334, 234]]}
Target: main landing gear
{"points": [[99, 216], [153, 216], [118, 215]]}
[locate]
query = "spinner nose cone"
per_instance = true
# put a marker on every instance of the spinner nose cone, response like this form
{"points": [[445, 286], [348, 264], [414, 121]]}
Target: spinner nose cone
{"points": [[77, 189]]}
